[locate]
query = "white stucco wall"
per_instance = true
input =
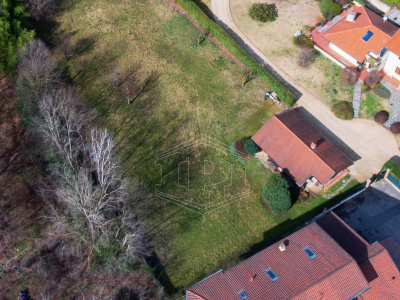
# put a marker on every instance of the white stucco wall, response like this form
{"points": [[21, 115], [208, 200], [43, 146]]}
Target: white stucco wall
{"points": [[392, 62], [344, 54]]}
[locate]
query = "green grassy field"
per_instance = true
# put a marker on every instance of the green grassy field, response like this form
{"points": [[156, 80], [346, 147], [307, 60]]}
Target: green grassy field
{"points": [[191, 91]]}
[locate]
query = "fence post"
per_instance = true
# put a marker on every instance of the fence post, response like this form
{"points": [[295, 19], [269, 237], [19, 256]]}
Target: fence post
{"points": [[368, 183]]}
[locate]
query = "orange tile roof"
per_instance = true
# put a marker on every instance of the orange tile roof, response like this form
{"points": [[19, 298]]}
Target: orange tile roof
{"points": [[348, 35], [287, 137], [393, 248], [383, 277], [332, 274], [394, 44]]}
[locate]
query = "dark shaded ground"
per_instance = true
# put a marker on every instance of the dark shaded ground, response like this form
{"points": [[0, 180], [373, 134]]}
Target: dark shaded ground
{"points": [[375, 213]]}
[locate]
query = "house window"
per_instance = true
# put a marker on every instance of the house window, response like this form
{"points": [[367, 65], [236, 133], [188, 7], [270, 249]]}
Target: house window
{"points": [[397, 70], [271, 274], [311, 254], [242, 295], [367, 36]]}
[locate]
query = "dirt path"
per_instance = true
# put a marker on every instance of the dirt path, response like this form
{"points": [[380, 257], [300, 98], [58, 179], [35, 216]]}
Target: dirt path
{"points": [[369, 145]]}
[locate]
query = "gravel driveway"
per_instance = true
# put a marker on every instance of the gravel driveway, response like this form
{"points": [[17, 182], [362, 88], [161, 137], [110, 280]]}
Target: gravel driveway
{"points": [[368, 144]]}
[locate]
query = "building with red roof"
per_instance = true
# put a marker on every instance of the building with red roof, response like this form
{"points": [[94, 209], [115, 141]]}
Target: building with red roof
{"points": [[309, 264], [291, 144], [361, 38]]}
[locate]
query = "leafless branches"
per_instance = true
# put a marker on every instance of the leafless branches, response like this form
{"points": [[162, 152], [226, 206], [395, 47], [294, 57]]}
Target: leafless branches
{"points": [[349, 75], [40, 9], [37, 72], [373, 78], [305, 57], [94, 207]]}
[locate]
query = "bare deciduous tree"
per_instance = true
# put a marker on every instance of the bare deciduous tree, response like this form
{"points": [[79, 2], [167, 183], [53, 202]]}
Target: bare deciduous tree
{"points": [[349, 75], [373, 78], [305, 57], [40, 9], [37, 72], [61, 123]]}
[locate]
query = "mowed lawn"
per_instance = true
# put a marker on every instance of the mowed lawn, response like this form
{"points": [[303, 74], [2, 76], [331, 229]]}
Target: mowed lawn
{"points": [[190, 91]]}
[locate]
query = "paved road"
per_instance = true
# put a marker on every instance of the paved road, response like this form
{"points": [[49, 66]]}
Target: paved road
{"points": [[368, 144]]}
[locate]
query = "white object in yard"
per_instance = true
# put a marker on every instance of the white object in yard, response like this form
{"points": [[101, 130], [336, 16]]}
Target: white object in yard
{"points": [[274, 96], [297, 33]]}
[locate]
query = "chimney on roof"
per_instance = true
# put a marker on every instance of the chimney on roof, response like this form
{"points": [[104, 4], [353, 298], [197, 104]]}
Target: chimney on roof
{"points": [[313, 145], [282, 247], [385, 19], [351, 17]]}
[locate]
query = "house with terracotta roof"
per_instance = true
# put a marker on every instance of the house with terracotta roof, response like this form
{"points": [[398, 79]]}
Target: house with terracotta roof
{"points": [[359, 37], [316, 262], [290, 144]]}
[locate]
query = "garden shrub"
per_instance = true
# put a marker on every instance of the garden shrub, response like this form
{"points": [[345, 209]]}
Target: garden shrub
{"points": [[395, 128], [303, 42], [383, 92], [335, 9], [263, 12], [276, 194], [343, 110], [325, 5], [250, 147], [237, 51], [381, 116]]}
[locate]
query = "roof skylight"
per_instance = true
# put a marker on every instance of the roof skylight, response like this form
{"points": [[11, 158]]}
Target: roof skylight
{"points": [[271, 274], [242, 295], [311, 254], [367, 36]]}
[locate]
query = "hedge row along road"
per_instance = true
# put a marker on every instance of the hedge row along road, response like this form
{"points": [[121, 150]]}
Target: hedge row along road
{"points": [[286, 93]]}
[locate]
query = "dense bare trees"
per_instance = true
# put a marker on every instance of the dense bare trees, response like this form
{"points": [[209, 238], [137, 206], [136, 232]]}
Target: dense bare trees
{"points": [[40, 9], [91, 205], [37, 72]]}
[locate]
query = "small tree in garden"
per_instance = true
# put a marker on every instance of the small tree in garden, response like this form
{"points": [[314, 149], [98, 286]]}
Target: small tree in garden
{"points": [[373, 78], [381, 116], [276, 194], [250, 147], [305, 58], [263, 12], [325, 5], [395, 128], [349, 76], [335, 9]]}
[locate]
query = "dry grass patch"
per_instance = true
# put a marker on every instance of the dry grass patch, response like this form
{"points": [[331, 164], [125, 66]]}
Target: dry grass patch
{"points": [[275, 40]]}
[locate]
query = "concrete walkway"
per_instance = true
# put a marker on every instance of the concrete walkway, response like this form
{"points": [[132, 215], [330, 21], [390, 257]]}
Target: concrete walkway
{"points": [[394, 104], [368, 144], [357, 98]]}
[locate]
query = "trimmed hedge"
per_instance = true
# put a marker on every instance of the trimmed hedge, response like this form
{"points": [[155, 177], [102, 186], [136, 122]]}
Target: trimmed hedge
{"points": [[383, 92], [381, 116], [237, 51], [251, 147], [343, 110], [276, 194], [335, 9]]}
